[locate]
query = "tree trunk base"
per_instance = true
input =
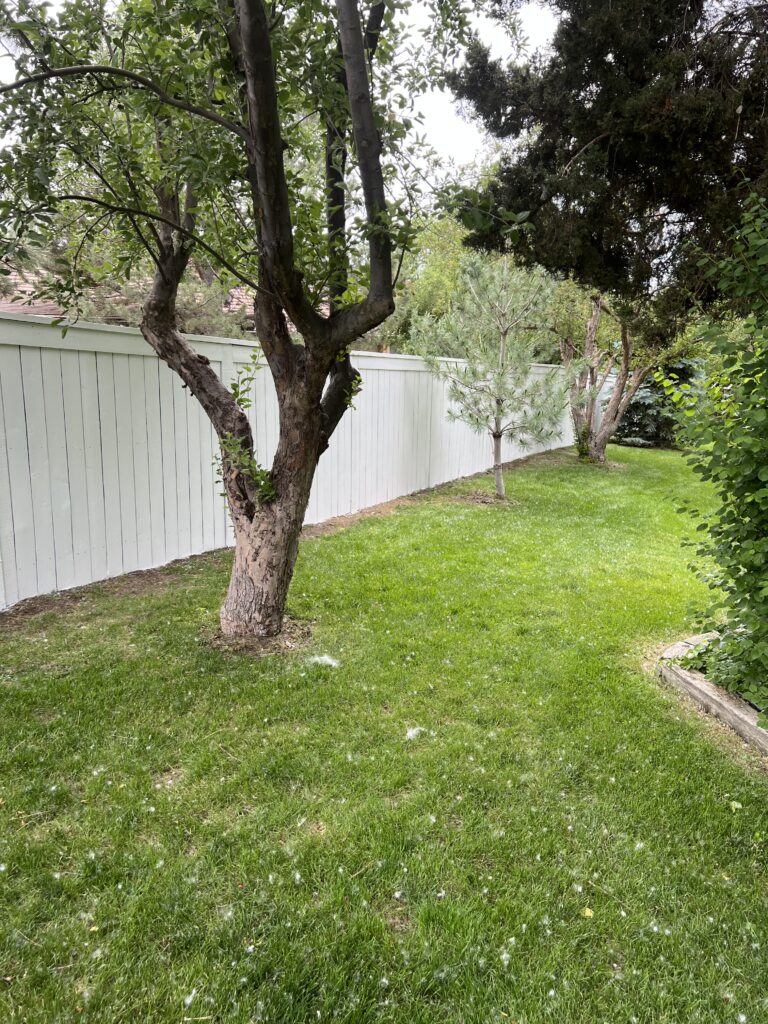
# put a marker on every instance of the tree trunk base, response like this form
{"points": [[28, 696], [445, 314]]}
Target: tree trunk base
{"points": [[237, 627], [255, 603], [265, 554], [293, 636]]}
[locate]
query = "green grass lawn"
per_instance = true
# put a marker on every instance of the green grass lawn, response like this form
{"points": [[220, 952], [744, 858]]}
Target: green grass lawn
{"points": [[194, 835]]}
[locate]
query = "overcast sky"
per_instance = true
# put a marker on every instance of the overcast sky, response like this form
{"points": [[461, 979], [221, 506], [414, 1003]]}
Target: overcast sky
{"points": [[453, 136]]}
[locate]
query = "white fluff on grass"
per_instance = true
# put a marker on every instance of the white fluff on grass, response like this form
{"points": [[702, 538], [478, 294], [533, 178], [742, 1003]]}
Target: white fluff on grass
{"points": [[414, 732], [324, 659]]}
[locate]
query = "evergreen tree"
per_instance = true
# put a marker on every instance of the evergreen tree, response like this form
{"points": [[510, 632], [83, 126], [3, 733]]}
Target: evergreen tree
{"points": [[493, 331], [633, 137]]}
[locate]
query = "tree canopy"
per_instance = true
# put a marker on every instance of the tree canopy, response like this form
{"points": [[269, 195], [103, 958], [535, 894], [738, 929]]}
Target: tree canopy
{"points": [[162, 104], [630, 139]]}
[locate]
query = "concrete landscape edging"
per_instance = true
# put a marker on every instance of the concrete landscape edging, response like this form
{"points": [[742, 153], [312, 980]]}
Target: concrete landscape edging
{"points": [[727, 707]]}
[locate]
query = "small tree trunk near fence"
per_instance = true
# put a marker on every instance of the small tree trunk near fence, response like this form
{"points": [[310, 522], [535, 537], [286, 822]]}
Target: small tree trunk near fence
{"points": [[497, 464]]}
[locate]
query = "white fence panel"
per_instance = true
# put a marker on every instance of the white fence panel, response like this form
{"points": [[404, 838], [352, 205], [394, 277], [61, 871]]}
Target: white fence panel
{"points": [[107, 464]]}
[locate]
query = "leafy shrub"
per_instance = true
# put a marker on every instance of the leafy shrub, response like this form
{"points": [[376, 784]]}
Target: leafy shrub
{"points": [[725, 423]]}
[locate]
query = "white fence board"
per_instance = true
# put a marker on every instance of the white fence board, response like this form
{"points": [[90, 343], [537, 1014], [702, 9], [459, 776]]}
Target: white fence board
{"points": [[154, 459], [17, 532], [76, 479], [111, 474], [7, 550], [107, 462], [181, 440], [125, 467], [94, 472], [167, 448], [39, 476]]}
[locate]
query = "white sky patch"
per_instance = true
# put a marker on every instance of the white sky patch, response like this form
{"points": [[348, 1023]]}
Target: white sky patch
{"points": [[454, 137]]}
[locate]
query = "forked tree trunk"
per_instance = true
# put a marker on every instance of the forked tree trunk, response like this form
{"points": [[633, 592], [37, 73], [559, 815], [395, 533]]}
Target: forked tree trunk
{"points": [[314, 381], [624, 390], [614, 413], [587, 385]]}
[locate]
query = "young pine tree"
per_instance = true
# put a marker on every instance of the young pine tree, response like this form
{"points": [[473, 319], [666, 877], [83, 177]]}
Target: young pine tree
{"points": [[491, 336]]}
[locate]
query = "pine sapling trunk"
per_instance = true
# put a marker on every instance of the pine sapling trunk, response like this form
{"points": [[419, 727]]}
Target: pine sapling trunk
{"points": [[497, 466]]}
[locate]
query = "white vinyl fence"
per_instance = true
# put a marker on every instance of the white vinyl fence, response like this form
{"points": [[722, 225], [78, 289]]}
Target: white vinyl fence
{"points": [[107, 462]]}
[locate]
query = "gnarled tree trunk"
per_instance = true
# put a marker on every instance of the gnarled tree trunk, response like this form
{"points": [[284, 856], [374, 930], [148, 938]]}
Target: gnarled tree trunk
{"points": [[267, 542], [314, 381], [624, 389], [587, 385]]}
